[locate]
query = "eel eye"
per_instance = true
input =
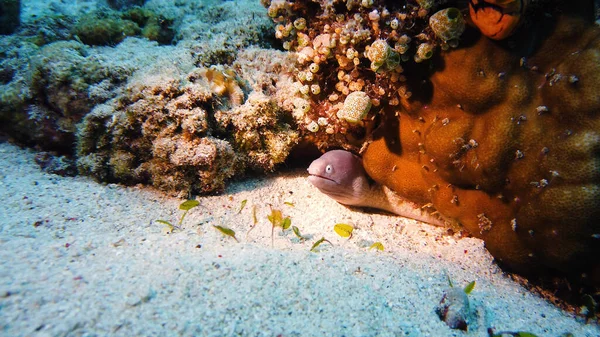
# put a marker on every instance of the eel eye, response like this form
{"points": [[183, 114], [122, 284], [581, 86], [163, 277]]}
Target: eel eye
{"points": [[328, 169]]}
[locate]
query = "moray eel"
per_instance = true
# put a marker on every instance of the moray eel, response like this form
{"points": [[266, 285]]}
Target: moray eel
{"points": [[340, 175]]}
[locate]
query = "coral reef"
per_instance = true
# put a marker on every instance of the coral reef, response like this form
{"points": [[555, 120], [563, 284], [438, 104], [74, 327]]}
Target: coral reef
{"points": [[498, 136], [48, 90], [504, 140], [187, 132], [137, 112], [350, 46], [259, 132], [65, 79], [157, 134]]}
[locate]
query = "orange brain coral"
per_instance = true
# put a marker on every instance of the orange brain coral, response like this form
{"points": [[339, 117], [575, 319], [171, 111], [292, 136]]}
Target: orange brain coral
{"points": [[509, 147]]}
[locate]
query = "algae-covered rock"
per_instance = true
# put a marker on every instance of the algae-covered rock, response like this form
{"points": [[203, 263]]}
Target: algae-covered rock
{"points": [[158, 134], [143, 113], [10, 16], [154, 27], [64, 83], [102, 28], [61, 76], [260, 131], [187, 132], [124, 4], [15, 56], [219, 33], [46, 91]]}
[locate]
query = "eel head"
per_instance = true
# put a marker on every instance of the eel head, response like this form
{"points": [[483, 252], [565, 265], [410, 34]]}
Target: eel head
{"points": [[340, 175]]}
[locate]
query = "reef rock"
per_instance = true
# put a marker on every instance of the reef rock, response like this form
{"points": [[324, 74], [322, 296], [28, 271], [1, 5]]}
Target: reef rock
{"points": [[159, 134], [187, 132]]}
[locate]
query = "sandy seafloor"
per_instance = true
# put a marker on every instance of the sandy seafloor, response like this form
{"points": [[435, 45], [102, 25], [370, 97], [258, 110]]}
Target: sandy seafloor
{"points": [[78, 258]]}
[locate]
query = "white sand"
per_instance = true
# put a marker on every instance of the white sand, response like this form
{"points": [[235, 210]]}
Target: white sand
{"points": [[99, 265]]}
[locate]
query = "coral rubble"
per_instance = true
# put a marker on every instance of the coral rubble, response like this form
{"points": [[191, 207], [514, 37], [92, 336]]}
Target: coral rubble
{"points": [[455, 310]]}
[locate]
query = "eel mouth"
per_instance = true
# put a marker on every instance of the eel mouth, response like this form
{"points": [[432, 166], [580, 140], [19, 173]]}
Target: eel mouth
{"points": [[319, 178], [331, 188]]}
